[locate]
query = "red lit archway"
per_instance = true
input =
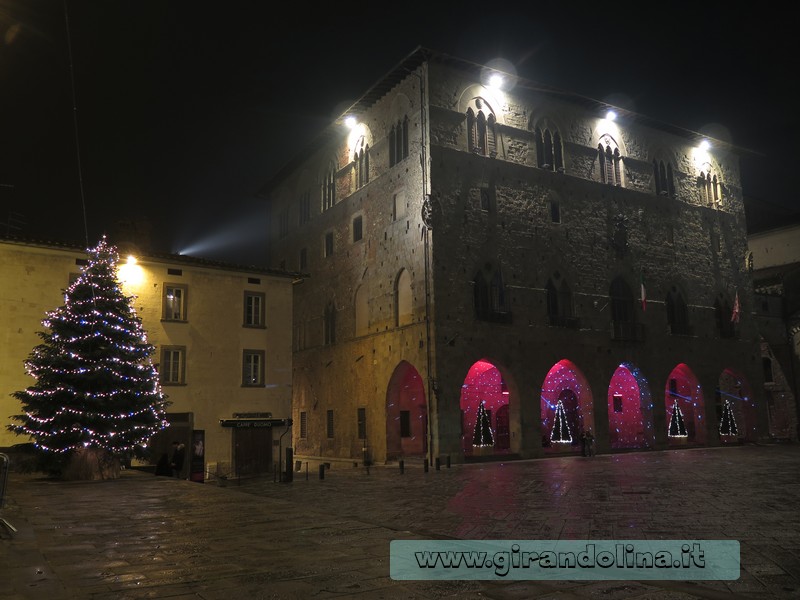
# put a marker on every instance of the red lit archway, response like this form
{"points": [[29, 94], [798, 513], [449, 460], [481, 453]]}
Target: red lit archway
{"points": [[686, 424], [406, 414], [630, 409], [566, 408], [484, 411], [735, 409]]}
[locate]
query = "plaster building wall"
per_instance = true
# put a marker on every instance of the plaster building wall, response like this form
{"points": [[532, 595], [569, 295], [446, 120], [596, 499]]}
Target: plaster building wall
{"points": [[500, 223], [211, 336]]}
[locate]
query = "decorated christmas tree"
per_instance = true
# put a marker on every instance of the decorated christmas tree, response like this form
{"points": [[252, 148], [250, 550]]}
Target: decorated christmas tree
{"points": [[727, 425], [96, 393], [560, 433], [676, 426], [482, 436]]}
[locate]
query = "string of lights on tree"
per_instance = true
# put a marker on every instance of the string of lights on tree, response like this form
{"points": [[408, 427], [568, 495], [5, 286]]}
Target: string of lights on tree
{"points": [[727, 424], [482, 436], [95, 384], [677, 428], [560, 433]]}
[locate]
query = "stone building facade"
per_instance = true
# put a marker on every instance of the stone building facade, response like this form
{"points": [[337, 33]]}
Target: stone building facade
{"points": [[222, 335], [774, 258], [476, 261]]}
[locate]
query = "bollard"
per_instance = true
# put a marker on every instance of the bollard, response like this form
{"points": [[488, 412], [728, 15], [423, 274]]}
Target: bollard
{"points": [[289, 475], [426, 465], [402, 467], [322, 471], [306, 470], [438, 463], [448, 461]]}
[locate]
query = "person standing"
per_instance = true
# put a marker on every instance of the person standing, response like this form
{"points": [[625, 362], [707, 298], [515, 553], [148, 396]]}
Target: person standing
{"points": [[178, 456], [589, 443]]}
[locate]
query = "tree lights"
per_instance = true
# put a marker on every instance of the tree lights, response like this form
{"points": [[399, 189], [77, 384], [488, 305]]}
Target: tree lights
{"points": [[727, 424], [677, 428], [560, 433], [96, 386], [482, 436]]}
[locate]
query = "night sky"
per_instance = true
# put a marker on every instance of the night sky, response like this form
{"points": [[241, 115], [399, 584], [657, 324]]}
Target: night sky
{"points": [[185, 109]]}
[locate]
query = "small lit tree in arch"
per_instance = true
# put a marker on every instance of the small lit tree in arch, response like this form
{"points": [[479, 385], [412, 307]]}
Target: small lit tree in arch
{"points": [[96, 396], [482, 436], [560, 433], [727, 425], [677, 428]]}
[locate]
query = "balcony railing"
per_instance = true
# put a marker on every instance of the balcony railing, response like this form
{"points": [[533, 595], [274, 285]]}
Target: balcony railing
{"points": [[567, 322], [680, 329], [627, 331]]}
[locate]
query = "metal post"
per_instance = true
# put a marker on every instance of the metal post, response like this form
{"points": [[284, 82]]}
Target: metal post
{"points": [[402, 467], [438, 463], [322, 471], [289, 462], [448, 461], [426, 465]]}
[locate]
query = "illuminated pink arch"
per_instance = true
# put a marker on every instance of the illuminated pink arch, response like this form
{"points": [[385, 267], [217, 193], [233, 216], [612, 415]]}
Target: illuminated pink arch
{"points": [[406, 413], [484, 384], [567, 383], [735, 388], [630, 409], [683, 386]]}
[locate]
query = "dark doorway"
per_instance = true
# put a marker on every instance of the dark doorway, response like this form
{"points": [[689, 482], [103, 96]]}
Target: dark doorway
{"points": [[252, 451]]}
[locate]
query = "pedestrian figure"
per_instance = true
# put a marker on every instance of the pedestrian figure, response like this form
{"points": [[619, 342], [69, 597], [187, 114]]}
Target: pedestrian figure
{"points": [[583, 443], [178, 454], [589, 443], [163, 467]]}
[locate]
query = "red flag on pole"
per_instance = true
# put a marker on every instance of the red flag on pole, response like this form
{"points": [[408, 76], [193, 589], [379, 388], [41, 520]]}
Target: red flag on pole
{"points": [[737, 309]]}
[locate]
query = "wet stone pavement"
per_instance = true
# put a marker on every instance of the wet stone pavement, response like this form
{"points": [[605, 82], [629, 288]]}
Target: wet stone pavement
{"points": [[143, 536]]}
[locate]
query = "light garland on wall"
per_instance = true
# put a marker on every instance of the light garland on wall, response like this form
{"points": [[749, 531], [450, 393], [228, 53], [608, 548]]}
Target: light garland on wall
{"points": [[95, 384]]}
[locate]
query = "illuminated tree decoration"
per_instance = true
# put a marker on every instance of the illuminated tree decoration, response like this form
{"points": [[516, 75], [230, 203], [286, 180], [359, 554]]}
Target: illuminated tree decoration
{"points": [[676, 425], [560, 433], [727, 425], [483, 429], [96, 388]]}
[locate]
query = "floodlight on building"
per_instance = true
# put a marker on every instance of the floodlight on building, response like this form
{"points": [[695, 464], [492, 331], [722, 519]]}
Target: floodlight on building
{"points": [[496, 81], [705, 145], [611, 115], [350, 121], [130, 273]]}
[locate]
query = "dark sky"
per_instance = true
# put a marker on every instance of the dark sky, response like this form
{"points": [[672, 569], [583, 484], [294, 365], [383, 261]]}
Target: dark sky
{"points": [[185, 109]]}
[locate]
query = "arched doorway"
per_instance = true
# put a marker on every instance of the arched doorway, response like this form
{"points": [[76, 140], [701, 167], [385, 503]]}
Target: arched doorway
{"points": [[630, 409], [685, 408], [484, 411], [406, 414], [566, 408], [735, 409]]}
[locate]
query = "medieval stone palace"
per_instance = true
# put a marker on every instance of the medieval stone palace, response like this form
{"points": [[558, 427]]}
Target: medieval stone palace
{"points": [[496, 268]]}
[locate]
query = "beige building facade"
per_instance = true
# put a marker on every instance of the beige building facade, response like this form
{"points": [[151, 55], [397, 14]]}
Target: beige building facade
{"points": [[497, 270], [222, 335]]}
